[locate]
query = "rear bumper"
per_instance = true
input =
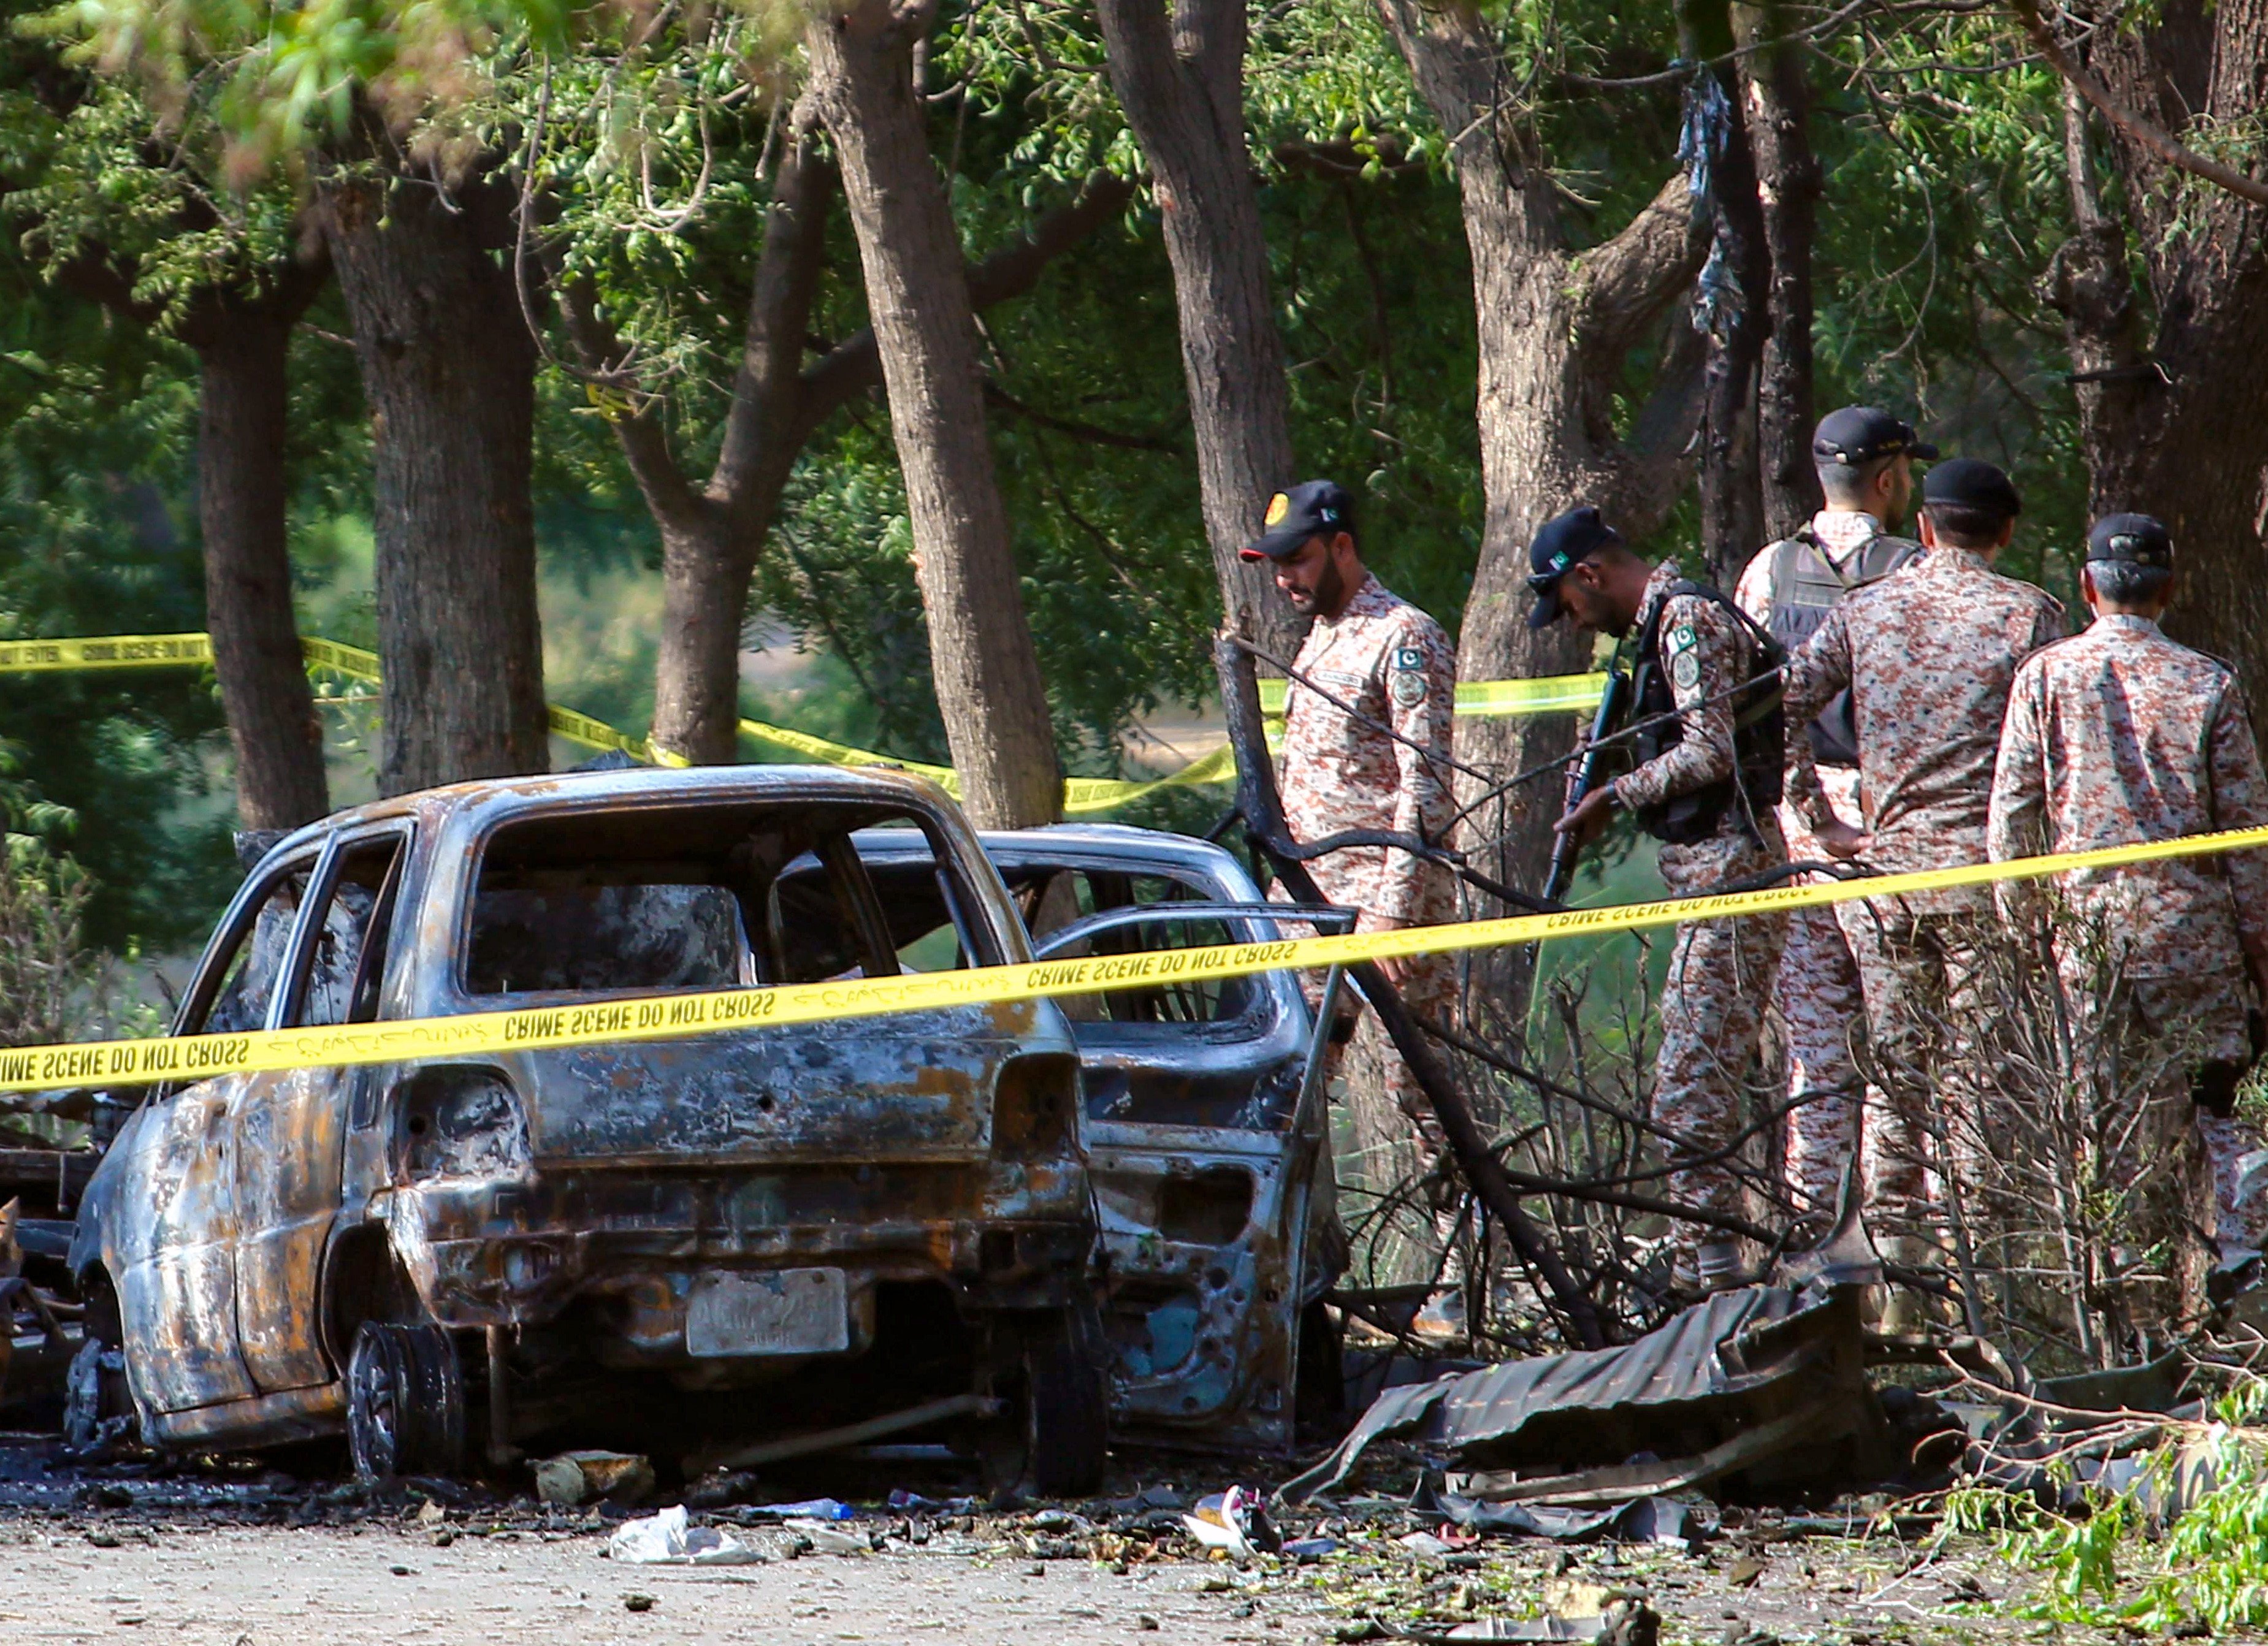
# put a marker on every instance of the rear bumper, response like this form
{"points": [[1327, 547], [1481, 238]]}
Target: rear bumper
{"points": [[1000, 1236]]}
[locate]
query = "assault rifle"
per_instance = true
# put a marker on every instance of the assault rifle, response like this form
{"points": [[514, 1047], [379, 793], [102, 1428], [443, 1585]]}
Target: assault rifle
{"points": [[1583, 777]]}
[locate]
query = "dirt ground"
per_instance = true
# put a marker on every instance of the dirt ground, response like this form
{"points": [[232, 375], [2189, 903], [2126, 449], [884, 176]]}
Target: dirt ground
{"points": [[231, 1557]]}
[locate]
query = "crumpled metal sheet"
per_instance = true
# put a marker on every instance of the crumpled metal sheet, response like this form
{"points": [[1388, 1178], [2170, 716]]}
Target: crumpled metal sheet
{"points": [[1662, 1520], [1738, 1360]]}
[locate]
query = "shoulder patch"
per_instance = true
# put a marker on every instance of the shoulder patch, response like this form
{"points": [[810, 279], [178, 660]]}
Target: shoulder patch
{"points": [[1407, 658], [1685, 670], [1683, 638]]}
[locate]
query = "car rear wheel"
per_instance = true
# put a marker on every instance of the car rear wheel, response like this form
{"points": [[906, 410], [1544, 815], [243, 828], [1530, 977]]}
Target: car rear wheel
{"points": [[1066, 1413], [405, 1401]]}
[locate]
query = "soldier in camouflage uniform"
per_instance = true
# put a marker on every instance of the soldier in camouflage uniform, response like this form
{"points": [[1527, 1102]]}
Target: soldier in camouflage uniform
{"points": [[1927, 656], [2121, 735], [1708, 777], [1367, 723], [1865, 458]]}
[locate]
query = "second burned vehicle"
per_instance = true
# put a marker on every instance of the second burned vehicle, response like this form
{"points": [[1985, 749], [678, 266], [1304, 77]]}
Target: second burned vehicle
{"points": [[1204, 1129], [761, 1235]]}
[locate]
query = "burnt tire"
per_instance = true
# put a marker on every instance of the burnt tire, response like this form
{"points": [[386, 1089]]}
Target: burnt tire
{"points": [[1066, 1414], [405, 1401]]}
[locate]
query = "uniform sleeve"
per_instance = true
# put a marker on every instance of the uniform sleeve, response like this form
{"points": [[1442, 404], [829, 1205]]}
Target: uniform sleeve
{"points": [[2239, 800], [1421, 699], [1753, 591], [1704, 654], [2017, 824], [1820, 668]]}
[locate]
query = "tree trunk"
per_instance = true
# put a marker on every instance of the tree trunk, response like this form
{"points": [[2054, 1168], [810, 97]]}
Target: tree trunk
{"points": [[2173, 429], [2089, 285], [710, 539], [712, 535], [1776, 108], [243, 348], [987, 668], [449, 369], [1554, 326], [1181, 83]]}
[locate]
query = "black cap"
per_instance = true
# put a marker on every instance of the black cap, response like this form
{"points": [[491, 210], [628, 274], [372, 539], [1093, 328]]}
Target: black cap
{"points": [[1859, 434], [1311, 509], [1969, 482], [2135, 538], [1570, 538]]}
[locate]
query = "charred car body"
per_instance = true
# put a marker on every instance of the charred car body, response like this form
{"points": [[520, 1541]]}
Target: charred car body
{"points": [[1204, 1124], [702, 1236]]}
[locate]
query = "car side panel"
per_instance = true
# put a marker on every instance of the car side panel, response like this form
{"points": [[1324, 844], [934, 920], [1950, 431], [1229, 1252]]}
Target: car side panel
{"points": [[290, 1132], [174, 1252]]}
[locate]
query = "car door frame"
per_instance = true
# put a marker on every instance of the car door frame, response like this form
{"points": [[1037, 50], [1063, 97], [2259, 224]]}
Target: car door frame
{"points": [[177, 1296], [280, 1259]]}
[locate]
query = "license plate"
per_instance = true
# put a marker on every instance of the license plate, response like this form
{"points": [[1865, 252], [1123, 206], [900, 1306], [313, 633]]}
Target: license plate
{"points": [[785, 1312]]}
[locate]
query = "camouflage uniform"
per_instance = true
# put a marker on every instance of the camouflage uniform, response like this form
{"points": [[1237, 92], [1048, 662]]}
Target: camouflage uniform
{"points": [[2121, 735], [1392, 663], [1720, 970], [1817, 992], [1927, 656]]}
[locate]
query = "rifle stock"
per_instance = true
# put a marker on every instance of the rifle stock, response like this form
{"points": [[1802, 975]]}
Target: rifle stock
{"points": [[1583, 777]]}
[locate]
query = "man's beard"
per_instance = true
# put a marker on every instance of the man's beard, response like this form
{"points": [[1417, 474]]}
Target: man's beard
{"points": [[1327, 595]]}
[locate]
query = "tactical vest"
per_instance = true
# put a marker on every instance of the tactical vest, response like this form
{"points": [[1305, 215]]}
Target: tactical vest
{"points": [[1805, 587], [1759, 728]]}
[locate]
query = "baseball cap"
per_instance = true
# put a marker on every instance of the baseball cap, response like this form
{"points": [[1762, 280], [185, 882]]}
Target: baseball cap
{"points": [[1859, 434], [2136, 538], [1563, 541], [1969, 482], [1312, 508]]}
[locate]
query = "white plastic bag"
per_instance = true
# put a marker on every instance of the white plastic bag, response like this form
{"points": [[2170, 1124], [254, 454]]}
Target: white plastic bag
{"points": [[666, 1540]]}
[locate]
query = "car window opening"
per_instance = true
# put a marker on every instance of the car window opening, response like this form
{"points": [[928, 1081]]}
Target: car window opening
{"points": [[660, 899]]}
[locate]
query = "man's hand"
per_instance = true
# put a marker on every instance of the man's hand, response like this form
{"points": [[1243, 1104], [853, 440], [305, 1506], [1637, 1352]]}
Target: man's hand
{"points": [[1394, 968], [1841, 839], [1589, 816]]}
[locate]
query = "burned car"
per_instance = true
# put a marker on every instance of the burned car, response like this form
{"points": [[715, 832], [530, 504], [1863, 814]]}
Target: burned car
{"points": [[1205, 1127], [668, 1245]]}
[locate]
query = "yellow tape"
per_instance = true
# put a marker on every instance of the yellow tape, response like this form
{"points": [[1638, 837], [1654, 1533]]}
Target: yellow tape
{"points": [[1082, 796], [105, 651], [672, 1017], [340, 658], [1546, 695]]}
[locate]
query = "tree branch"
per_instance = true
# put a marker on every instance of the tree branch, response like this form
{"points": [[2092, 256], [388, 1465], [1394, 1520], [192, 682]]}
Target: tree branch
{"points": [[755, 444], [855, 366], [1093, 434], [2142, 131], [644, 442], [1631, 279]]}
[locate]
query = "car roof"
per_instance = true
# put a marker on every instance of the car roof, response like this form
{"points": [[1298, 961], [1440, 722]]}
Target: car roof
{"points": [[1096, 843], [634, 784]]}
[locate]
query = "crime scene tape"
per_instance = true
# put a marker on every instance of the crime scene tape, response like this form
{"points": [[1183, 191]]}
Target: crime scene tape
{"points": [[1081, 795], [105, 651], [672, 1017], [1546, 695], [1564, 693]]}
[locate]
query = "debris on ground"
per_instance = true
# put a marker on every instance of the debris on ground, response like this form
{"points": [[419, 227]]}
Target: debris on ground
{"points": [[579, 1477], [1769, 1380], [1235, 1522], [668, 1539]]}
